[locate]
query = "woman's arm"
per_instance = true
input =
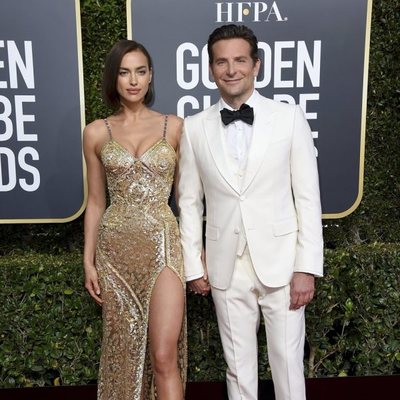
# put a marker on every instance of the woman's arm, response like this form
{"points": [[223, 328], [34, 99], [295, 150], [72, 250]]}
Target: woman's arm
{"points": [[95, 206]]}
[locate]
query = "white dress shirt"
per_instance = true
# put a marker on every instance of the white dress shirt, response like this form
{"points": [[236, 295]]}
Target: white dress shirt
{"points": [[238, 135]]}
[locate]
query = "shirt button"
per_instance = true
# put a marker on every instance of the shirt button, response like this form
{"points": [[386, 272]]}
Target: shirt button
{"points": [[237, 230]]}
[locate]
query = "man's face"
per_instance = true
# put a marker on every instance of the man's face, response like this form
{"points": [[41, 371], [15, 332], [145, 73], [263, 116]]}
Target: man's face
{"points": [[234, 70]]}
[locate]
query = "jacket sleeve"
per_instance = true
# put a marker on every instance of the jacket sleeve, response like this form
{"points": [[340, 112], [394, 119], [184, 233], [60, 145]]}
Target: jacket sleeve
{"points": [[305, 186], [190, 203]]}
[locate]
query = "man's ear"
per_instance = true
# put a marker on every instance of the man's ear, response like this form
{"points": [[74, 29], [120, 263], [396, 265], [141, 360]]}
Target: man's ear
{"points": [[257, 66]]}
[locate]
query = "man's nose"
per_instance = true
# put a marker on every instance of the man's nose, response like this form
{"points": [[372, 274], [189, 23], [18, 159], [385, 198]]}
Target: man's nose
{"points": [[231, 69]]}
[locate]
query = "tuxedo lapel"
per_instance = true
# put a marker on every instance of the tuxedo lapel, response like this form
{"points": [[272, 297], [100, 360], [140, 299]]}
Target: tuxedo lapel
{"points": [[216, 144], [262, 134]]}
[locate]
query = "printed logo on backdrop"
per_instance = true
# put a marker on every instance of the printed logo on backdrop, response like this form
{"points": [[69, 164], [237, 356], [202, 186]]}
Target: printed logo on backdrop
{"points": [[41, 112], [313, 53]]}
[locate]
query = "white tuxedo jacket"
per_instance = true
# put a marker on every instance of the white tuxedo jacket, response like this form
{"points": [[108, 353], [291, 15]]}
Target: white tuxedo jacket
{"points": [[278, 203]]}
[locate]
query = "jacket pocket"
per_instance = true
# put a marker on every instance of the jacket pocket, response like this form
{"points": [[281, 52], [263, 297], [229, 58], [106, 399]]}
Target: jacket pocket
{"points": [[212, 232], [285, 227]]}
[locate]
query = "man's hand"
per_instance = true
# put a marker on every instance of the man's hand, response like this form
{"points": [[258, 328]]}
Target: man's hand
{"points": [[201, 285], [301, 290]]}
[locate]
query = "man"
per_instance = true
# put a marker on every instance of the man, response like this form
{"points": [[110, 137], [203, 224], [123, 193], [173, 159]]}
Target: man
{"points": [[263, 233]]}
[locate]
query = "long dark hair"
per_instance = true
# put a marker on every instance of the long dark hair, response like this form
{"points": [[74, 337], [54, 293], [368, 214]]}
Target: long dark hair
{"points": [[111, 71]]}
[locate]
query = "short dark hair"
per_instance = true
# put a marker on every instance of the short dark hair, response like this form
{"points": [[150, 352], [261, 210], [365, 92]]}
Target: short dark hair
{"points": [[232, 31], [111, 71]]}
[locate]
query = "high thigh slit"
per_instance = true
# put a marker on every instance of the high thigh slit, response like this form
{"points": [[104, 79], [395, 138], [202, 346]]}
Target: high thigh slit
{"points": [[138, 238], [167, 303]]}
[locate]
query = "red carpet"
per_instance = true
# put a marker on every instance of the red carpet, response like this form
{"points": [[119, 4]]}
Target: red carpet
{"points": [[353, 388]]}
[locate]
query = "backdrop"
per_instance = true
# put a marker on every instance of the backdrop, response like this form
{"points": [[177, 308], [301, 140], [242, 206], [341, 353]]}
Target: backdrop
{"points": [[41, 111], [313, 53]]}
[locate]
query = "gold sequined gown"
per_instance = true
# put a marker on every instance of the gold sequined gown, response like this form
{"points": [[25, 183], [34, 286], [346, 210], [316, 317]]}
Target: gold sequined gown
{"points": [[138, 238]]}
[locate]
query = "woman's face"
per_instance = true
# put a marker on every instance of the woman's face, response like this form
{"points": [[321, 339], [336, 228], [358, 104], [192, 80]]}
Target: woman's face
{"points": [[134, 77]]}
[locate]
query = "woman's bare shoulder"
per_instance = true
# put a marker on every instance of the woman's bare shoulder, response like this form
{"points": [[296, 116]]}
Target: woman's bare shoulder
{"points": [[175, 119], [174, 129], [175, 123], [95, 129], [96, 134]]}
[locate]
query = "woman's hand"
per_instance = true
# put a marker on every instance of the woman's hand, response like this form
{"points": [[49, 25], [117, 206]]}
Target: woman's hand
{"points": [[92, 283]]}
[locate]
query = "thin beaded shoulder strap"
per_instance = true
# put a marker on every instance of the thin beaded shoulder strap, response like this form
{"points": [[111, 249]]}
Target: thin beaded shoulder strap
{"points": [[108, 127], [165, 127]]}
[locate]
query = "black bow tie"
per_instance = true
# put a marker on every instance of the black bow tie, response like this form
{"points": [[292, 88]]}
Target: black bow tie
{"points": [[245, 113]]}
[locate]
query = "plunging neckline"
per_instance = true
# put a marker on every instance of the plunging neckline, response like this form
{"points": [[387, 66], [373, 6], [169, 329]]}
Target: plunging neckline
{"points": [[126, 150], [162, 139], [143, 154]]}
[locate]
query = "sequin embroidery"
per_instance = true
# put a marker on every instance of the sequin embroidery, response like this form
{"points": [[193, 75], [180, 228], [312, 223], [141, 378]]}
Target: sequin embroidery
{"points": [[138, 237]]}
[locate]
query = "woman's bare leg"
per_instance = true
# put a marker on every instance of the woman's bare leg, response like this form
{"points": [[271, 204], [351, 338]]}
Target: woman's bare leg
{"points": [[165, 323]]}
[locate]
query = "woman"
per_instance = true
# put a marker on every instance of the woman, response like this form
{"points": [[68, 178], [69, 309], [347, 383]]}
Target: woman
{"points": [[132, 255]]}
